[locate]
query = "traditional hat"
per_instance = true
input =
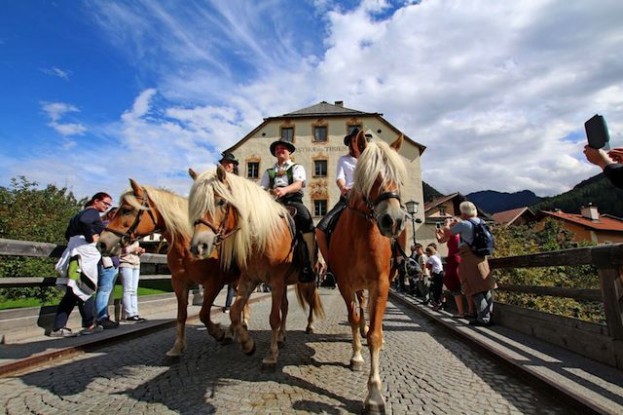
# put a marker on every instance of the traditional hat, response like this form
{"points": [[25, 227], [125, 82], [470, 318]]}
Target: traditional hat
{"points": [[287, 144], [349, 137], [226, 156]]}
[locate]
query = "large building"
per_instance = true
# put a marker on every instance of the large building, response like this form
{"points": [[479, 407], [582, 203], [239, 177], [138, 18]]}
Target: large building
{"points": [[318, 133]]}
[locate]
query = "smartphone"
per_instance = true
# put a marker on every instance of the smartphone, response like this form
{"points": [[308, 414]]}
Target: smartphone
{"points": [[597, 132], [438, 225]]}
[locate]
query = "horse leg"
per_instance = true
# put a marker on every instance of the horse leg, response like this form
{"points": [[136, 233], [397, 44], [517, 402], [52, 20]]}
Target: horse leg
{"points": [[270, 361], [356, 359], [181, 292], [246, 341], [363, 327], [375, 403], [246, 316], [281, 335], [211, 288]]}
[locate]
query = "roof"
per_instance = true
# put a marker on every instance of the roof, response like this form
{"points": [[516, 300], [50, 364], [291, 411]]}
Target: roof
{"points": [[604, 223], [507, 217], [323, 109], [459, 198]]}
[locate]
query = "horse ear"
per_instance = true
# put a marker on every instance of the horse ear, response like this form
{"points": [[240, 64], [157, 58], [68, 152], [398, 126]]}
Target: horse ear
{"points": [[193, 174], [361, 141], [136, 188], [398, 143], [221, 174]]}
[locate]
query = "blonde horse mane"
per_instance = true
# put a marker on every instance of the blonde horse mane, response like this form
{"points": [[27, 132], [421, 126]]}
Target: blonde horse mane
{"points": [[259, 218], [172, 207], [378, 159]]}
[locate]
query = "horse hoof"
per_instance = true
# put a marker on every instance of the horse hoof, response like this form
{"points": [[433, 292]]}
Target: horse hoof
{"points": [[269, 367], [374, 410], [251, 352], [220, 337], [309, 330], [281, 344], [226, 340], [356, 366], [171, 360]]}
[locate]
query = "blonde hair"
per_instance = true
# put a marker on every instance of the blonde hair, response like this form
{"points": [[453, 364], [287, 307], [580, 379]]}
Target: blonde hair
{"points": [[469, 209]]}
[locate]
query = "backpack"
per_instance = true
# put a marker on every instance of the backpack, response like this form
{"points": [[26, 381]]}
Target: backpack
{"points": [[412, 267], [483, 243]]}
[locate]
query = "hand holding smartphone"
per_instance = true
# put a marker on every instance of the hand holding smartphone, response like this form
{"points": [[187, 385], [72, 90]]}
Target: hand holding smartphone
{"points": [[597, 132]]}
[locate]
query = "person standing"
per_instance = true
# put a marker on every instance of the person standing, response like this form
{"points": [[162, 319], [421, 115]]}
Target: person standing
{"points": [[451, 267], [433, 263], [77, 267], [130, 271], [476, 278], [107, 275], [423, 281], [230, 164], [285, 181], [345, 179]]}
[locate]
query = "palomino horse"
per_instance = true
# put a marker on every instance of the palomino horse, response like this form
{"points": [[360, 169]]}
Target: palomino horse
{"points": [[360, 249], [145, 210], [250, 231]]}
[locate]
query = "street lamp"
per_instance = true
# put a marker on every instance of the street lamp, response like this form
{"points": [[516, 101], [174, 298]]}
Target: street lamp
{"points": [[412, 207]]}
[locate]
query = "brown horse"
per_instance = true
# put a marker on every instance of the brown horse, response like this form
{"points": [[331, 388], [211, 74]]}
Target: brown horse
{"points": [[250, 231], [360, 250], [145, 210]]}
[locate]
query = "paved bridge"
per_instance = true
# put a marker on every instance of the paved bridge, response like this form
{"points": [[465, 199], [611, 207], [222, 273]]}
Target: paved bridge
{"points": [[431, 364]]}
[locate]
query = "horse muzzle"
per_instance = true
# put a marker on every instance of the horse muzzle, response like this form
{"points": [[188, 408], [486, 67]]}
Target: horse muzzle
{"points": [[202, 244]]}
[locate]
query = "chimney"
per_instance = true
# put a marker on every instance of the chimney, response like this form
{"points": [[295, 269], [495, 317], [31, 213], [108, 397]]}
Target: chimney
{"points": [[590, 212], [339, 104]]}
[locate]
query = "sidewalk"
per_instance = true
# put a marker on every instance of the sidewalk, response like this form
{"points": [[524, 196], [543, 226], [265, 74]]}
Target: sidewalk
{"points": [[35, 347], [593, 384]]}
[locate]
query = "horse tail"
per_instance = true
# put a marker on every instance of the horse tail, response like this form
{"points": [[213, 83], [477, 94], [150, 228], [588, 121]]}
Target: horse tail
{"points": [[307, 294]]}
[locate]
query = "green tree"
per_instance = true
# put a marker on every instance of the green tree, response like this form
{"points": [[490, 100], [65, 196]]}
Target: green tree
{"points": [[30, 213]]}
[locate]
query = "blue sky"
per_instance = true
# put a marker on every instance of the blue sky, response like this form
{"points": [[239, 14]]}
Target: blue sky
{"points": [[95, 92]]}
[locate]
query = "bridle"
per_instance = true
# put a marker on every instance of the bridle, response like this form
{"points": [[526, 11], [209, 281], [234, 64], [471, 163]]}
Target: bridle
{"points": [[129, 235], [372, 204], [219, 231]]}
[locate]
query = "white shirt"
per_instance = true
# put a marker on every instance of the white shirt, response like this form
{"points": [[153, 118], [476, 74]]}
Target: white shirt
{"points": [[346, 170], [435, 263], [298, 175]]}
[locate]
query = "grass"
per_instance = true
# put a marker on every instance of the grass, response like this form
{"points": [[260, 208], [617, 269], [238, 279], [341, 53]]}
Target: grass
{"points": [[149, 288]]}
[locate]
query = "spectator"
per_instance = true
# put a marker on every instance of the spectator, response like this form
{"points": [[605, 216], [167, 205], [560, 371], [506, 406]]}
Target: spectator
{"points": [[230, 164], [77, 267], [107, 275], [423, 282], [285, 181], [433, 263], [130, 271], [345, 179], [611, 163], [451, 268], [476, 278]]}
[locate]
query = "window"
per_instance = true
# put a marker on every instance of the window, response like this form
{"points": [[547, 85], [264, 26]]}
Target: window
{"points": [[320, 133], [253, 170], [320, 207], [287, 134], [442, 211], [320, 168]]}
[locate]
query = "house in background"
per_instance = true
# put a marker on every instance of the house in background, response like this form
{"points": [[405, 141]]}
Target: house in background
{"points": [[515, 217], [589, 225]]}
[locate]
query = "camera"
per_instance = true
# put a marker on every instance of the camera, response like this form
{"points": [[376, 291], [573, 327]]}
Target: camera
{"points": [[438, 225]]}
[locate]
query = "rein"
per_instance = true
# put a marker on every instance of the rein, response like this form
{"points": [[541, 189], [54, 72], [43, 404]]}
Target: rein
{"points": [[220, 232], [128, 236]]}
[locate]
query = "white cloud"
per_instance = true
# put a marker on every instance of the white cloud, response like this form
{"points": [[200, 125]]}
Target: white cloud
{"points": [[58, 72], [56, 111]]}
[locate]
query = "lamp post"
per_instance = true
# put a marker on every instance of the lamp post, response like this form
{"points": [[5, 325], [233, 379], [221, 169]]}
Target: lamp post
{"points": [[412, 208]]}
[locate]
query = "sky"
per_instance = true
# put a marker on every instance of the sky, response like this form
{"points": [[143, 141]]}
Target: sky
{"points": [[95, 92]]}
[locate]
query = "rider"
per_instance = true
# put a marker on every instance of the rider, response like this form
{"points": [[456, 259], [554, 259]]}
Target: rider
{"points": [[230, 164], [285, 180], [345, 179]]}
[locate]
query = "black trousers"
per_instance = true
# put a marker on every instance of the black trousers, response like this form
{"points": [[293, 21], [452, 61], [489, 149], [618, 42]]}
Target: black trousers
{"points": [[66, 306]]}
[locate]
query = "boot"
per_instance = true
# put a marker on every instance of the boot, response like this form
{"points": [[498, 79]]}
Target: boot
{"points": [[307, 272]]}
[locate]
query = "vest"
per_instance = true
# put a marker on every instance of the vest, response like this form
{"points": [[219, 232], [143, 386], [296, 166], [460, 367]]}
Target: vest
{"points": [[271, 182]]}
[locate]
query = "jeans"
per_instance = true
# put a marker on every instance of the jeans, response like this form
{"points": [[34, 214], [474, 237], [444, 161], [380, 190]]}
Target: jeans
{"points": [[105, 285], [66, 306], [129, 279]]}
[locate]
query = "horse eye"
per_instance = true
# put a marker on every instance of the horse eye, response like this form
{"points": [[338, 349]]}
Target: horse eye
{"points": [[220, 203], [124, 211]]}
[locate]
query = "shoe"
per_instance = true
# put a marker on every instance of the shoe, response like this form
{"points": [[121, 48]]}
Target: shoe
{"points": [[135, 318], [62, 332], [96, 328], [480, 324], [107, 323]]}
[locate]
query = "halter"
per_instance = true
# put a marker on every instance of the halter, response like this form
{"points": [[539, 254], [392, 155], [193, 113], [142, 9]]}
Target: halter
{"points": [[219, 231], [128, 236], [371, 204]]}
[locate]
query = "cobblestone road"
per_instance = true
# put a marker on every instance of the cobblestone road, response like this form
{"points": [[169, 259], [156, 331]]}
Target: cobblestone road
{"points": [[424, 369]]}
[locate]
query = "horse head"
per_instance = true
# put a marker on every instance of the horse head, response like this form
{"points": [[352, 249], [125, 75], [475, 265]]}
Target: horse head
{"points": [[135, 218], [212, 216], [379, 175]]}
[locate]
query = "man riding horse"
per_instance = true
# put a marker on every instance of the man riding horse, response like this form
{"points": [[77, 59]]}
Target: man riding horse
{"points": [[285, 180]]}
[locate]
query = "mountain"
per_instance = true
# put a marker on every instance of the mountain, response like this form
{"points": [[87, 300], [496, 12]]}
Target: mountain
{"points": [[492, 202], [430, 192]]}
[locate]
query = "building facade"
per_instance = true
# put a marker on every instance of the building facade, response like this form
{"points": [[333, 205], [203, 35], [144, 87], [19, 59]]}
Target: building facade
{"points": [[318, 133]]}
